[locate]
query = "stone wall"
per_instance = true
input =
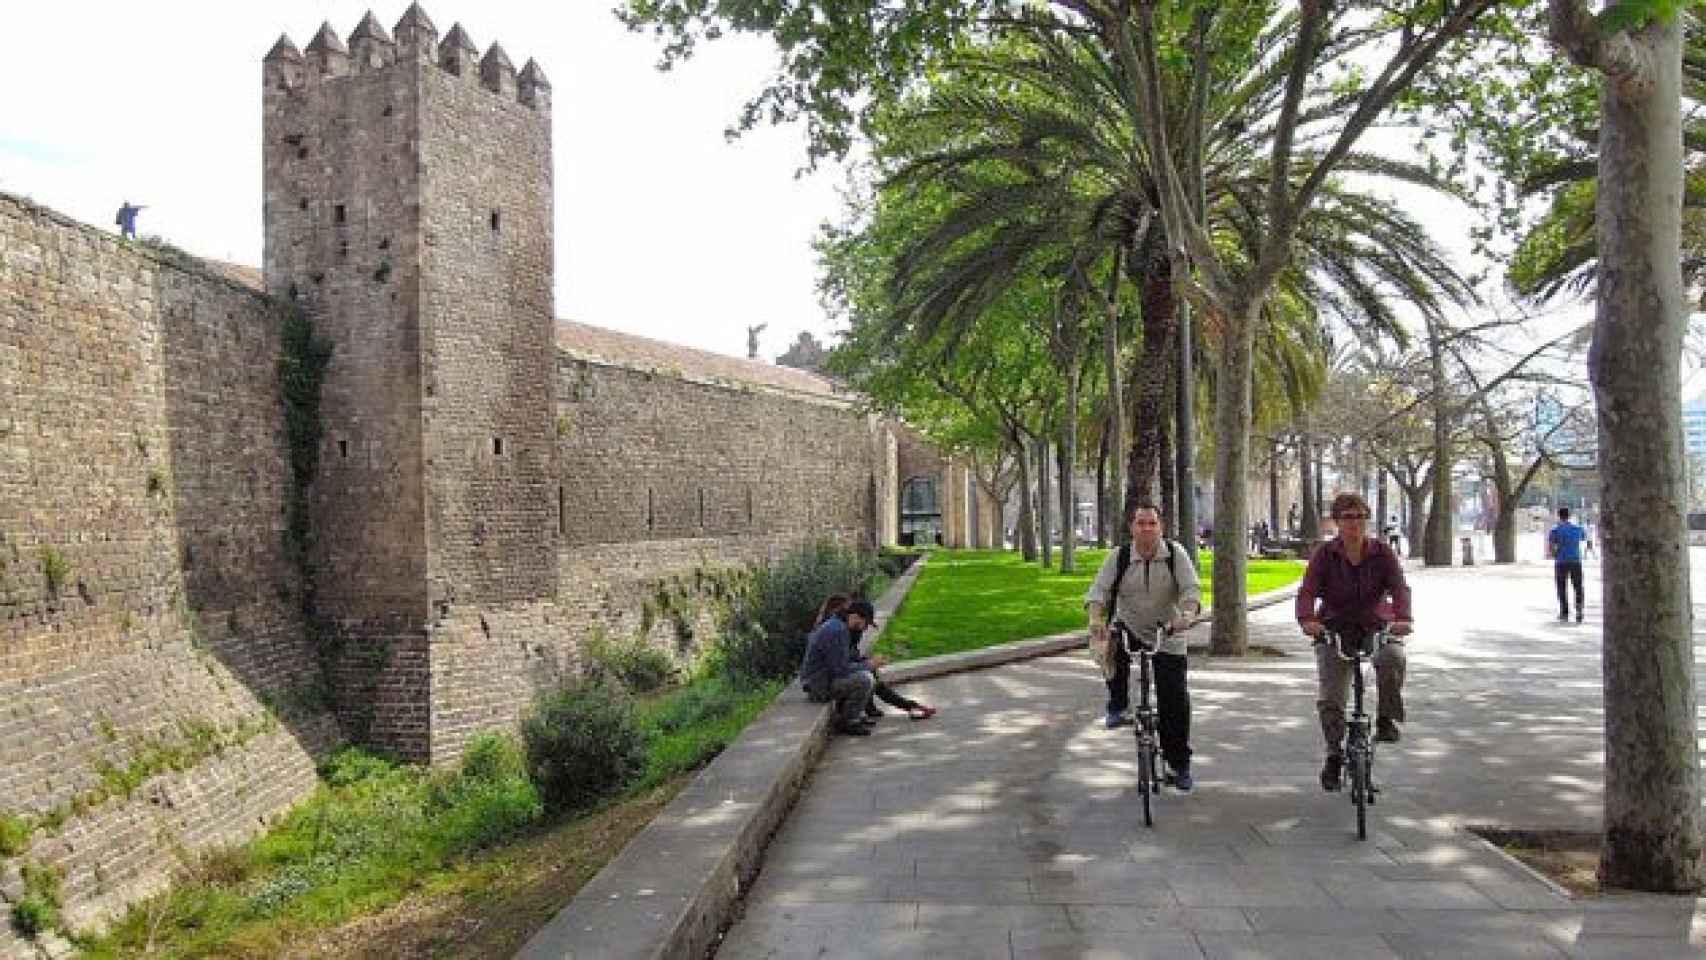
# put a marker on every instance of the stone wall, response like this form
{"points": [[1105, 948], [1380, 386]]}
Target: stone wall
{"points": [[147, 607], [668, 479]]}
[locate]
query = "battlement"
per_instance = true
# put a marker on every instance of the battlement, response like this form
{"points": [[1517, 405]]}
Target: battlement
{"points": [[328, 58]]}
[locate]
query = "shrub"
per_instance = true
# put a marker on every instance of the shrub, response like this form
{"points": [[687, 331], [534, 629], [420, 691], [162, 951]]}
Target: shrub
{"points": [[490, 799], [765, 636], [38, 909], [894, 561], [583, 743], [55, 568], [14, 834], [352, 765], [634, 663]]}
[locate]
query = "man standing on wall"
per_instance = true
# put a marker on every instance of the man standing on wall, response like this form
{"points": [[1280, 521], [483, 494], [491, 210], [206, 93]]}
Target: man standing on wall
{"points": [[1151, 580], [126, 219], [1564, 546]]}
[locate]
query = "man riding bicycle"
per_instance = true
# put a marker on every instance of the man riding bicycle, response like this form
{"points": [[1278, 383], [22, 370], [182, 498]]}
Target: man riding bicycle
{"points": [[1150, 581], [1352, 576]]}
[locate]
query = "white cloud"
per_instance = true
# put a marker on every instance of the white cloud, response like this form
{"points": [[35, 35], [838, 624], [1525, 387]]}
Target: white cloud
{"points": [[663, 228]]}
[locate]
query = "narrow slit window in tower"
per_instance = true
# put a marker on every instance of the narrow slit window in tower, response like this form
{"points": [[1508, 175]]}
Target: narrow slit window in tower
{"points": [[343, 449], [497, 446], [497, 220], [562, 513], [651, 515], [338, 213]]}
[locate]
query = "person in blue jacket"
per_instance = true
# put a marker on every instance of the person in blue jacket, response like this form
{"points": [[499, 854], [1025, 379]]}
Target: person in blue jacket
{"points": [[829, 672], [1564, 546]]}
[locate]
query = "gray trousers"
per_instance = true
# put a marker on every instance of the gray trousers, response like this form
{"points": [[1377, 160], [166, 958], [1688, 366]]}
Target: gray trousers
{"points": [[1333, 689], [849, 693]]}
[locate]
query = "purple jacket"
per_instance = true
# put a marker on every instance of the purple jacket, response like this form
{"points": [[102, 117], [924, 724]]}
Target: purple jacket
{"points": [[1354, 594]]}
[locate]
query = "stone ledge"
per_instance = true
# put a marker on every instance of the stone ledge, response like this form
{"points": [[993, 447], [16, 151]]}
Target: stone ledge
{"points": [[672, 889], [675, 885]]}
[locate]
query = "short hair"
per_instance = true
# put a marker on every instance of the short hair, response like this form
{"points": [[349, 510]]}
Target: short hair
{"points": [[1345, 502], [1131, 511], [1563, 513]]}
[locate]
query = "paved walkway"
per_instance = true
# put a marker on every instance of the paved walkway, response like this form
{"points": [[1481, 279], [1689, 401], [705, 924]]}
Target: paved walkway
{"points": [[1006, 826]]}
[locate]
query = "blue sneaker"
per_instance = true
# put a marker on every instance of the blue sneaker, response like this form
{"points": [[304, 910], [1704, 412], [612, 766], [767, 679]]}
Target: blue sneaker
{"points": [[1116, 719], [1182, 781]]}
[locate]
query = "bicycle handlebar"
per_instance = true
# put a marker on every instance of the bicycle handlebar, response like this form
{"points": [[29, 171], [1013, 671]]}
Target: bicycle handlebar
{"points": [[1372, 641], [1147, 639]]}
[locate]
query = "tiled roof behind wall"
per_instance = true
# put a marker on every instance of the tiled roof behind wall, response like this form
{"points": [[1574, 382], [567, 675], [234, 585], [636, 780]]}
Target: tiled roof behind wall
{"points": [[643, 353]]}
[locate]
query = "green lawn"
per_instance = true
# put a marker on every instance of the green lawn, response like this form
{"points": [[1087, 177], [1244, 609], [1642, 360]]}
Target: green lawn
{"points": [[967, 599]]}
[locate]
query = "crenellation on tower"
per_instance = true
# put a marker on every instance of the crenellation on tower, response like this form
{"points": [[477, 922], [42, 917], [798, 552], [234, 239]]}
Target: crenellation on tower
{"points": [[283, 67], [458, 54], [533, 89], [371, 48], [497, 74], [327, 56], [417, 38]]}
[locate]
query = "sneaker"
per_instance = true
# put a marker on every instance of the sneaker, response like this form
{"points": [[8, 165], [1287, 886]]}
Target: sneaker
{"points": [[1182, 781], [1386, 731], [1330, 781], [853, 729], [1116, 719]]}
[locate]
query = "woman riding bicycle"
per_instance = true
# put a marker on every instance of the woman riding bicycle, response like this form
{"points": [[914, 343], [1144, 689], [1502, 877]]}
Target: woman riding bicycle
{"points": [[1359, 585]]}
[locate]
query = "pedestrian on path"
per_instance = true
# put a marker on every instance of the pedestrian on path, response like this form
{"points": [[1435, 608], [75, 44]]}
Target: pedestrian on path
{"points": [[830, 675], [126, 219], [1564, 546], [1148, 581], [1359, 584]]}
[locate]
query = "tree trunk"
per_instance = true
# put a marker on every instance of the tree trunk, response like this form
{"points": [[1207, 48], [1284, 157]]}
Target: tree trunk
{"points": [[1068, 455], [1309, 521], [1273, 491], [1231, 470], [1441, 513], [1320, 482], [1381, 505], [1504, 521], [1110, 518], [1102, 490], [1417, 498], [1045, 522], [1168, 481], [1652, 767], [1185, 432], [1027, 516], [1150, 400]]}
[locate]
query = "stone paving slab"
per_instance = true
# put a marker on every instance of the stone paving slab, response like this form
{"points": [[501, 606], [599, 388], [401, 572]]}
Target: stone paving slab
{"points": [[1007, 825]]}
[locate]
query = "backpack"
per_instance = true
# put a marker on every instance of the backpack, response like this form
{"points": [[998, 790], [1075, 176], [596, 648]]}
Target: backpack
{"points": [[1120, 567]]}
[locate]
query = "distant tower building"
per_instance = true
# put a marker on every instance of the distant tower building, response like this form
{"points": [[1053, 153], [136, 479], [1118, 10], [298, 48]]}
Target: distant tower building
{"points": [[408, 210]]}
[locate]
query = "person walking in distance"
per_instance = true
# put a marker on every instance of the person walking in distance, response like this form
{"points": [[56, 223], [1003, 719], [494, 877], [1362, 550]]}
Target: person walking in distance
{"points": [[1148, 581], [1564, 546], [126, 219]]}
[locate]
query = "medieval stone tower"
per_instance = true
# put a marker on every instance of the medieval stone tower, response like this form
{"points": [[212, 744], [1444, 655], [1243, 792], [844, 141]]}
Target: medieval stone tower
{"points": [[408, 212]]}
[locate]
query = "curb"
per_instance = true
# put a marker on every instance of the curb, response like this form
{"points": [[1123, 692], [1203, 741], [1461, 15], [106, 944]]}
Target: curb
{"points": [[675, 887], [670, 892]]}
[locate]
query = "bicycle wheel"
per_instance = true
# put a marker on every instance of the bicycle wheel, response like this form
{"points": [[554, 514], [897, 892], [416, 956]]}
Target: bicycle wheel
{"points": [[1360, 790], [1145, 779]]}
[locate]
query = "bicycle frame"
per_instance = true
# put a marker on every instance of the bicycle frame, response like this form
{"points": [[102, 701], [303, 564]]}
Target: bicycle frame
{"points": [[1359, 746], [1141, 646]]}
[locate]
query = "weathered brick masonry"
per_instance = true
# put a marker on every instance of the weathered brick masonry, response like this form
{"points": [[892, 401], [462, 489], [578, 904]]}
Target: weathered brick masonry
{"points": [[142, 458], [494, 486]]}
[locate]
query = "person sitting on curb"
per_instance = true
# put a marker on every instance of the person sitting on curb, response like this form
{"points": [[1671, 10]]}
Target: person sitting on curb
{"points": [[879, 690], [829, 674]]}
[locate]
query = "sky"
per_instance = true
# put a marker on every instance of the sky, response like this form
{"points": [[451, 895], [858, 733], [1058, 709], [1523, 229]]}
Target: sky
{"points": [[664, 229]]}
